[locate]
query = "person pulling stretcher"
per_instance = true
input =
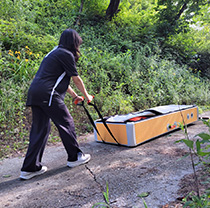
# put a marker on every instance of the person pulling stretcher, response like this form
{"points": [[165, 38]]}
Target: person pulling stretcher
{"points": [[46, 99]]}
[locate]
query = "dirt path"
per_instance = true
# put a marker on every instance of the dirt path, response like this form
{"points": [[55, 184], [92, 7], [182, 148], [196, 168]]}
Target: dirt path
{"points": [[154, 167]]}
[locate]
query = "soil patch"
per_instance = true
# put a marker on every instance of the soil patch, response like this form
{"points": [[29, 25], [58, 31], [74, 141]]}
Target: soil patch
{"points": [[187, 185]]}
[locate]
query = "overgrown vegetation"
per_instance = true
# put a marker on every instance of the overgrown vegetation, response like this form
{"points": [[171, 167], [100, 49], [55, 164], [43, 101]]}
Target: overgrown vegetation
{"points": [[201, 149], [128, 63]]}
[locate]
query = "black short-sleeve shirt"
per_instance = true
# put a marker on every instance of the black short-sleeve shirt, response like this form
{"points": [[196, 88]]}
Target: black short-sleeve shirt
{"points": [[52, 78]]}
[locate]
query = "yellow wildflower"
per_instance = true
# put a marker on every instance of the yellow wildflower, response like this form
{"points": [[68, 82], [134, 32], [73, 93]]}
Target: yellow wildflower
{"points": [[11, 53], [26, 60], [18, 57], [30, 53], [27, 47]]}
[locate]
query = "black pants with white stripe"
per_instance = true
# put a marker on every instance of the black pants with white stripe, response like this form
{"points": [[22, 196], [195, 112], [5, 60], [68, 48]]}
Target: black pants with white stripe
{"points": [[40, 130]]}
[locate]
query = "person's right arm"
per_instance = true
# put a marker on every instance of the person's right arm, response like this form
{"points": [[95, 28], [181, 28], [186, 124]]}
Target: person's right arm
{"points": [[80, 85]]}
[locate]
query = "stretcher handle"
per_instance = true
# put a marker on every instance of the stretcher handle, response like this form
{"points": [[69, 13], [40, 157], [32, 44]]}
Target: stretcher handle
{"points": [[81, 103], [88, 102], [76, 102]]}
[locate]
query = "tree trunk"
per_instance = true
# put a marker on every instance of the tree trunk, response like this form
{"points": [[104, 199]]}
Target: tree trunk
{"points": [[80, 10], [184, 7], [112, 8]]}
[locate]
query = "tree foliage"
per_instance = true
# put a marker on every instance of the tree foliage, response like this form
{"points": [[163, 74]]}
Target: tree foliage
{"points": [[173, 14]]}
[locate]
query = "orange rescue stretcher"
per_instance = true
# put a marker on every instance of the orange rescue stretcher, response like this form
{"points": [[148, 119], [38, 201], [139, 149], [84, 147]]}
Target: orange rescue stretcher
{"points": [[136, 128]]}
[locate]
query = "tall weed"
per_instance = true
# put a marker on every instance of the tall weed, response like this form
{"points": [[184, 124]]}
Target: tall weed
{"points": [[17, 69], [19, 65], [13, 117], [201, 149]]}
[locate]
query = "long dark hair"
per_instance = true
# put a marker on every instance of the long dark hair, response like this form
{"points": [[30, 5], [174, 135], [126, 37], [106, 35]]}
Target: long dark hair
{"points": [[71, 40]]}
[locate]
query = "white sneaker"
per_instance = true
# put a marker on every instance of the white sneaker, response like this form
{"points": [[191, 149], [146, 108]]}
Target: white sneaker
{"points": [[81, 159], [28, 175]]}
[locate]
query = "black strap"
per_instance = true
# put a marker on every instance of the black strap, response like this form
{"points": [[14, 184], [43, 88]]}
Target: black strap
{"points": [[90, 118], [101, 117], [104, 122]]}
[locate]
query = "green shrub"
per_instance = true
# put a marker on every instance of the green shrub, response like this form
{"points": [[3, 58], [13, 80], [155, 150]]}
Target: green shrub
{"points": [[15, 35], [136, 19], [157, 81], [94, 7]]}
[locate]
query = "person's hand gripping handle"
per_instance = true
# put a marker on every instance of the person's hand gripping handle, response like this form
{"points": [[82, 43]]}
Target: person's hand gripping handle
{"points": [[80, 99], [90, 98]]}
